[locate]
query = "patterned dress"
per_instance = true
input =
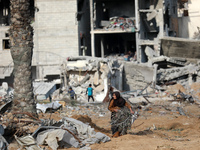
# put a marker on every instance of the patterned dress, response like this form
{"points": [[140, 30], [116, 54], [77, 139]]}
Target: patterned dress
{"points": [[122, 119]]}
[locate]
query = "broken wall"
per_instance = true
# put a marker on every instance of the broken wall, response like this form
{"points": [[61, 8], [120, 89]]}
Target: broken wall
{"points": [[151, 27], [178, 47], [136, 76]]}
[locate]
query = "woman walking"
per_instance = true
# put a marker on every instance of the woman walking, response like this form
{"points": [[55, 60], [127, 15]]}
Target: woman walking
{"points": [[121, 115]]}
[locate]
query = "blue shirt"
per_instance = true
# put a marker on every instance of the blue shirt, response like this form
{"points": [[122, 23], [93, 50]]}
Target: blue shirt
{"points": [[89, 90], [72, 93]]}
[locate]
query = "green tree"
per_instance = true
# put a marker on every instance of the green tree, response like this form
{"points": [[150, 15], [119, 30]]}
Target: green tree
{"points": [[21, 42]]}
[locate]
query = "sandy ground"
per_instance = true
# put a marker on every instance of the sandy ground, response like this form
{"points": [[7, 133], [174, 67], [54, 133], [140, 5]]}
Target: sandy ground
{"points": [[158, 129], [160, 126]]}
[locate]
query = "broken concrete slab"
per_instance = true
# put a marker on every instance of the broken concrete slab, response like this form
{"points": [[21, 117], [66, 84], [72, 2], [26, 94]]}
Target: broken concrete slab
{"points": [[43, 107], [150, 52], [85, 133], [165, 59], [52, 136], [173, 73], [99, 88], [151, 15], [87, 77], [28, 142], [96, 78], [180, 47], [137, 77], [43, 90]]}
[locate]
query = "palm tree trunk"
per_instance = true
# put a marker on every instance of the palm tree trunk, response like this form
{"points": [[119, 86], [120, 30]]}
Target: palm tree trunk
{"points": [[21, 42]]}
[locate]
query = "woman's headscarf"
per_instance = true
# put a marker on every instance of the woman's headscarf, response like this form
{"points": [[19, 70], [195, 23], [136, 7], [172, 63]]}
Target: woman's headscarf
{"points": [[120, 102]]}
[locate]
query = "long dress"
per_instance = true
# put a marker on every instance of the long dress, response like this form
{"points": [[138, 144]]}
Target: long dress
{"points": [[120, 120]]}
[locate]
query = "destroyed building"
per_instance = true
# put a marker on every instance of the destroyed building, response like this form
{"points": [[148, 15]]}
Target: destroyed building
{"points": [[100, 28], [61, 29], [182, 17]]}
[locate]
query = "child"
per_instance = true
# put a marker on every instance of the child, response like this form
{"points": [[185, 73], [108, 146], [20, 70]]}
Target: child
{"points": [[71, 92], [89, 91]]}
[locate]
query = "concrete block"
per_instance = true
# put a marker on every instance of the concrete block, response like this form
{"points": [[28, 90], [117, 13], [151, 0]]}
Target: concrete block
{"points": [[150, 52], [151, 15]]}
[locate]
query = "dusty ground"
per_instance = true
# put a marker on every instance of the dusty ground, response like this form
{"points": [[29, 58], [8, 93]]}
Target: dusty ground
{"points": [[158, 129], [160, 126]]}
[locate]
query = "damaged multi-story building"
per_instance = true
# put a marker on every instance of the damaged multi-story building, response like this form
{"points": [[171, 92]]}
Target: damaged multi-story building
{"points": [[99, 28], [61, 29]]}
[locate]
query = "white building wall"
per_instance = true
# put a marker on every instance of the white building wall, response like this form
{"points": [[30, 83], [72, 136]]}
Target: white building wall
{"points": [[55, 35], [56, 29], [188, 25], [5, 56]]}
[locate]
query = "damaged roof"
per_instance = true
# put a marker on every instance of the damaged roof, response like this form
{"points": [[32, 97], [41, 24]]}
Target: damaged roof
{"points": [[44, 88]]}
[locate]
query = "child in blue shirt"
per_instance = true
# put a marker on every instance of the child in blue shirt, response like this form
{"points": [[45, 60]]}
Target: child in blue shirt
{"points": [[71, 93], [89, 91]]}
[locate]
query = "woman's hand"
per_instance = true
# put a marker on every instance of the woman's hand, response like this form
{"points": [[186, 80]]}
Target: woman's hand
{"points": [[132, 111], [116, 110]]}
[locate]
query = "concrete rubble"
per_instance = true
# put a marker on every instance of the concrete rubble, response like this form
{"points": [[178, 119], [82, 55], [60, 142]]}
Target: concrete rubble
{"points": [[78, 73], [71, 133], [154, 59], [43, 90], [5, 91], [185, 75], [43, 107], [119, 23]]}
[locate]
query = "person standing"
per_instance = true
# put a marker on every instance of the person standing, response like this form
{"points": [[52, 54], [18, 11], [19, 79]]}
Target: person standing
{"points": [[71, 93], [89, 91]]}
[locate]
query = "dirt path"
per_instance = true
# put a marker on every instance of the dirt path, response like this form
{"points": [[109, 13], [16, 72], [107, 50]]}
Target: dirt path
{"points": [[158, 129]]}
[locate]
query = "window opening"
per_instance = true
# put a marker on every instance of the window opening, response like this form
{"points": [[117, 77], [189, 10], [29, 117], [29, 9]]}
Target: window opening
{"points": [[6, 44]]}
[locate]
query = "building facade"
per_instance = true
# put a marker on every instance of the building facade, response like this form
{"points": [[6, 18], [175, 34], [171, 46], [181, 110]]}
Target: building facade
{"points": [[61, 30], [98, 28]]}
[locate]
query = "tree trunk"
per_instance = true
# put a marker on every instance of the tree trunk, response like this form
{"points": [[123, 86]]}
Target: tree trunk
{"points": [[21, 42]]}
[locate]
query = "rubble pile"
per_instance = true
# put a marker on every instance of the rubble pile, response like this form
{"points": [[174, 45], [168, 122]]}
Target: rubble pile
{"points": [[79, 72], [35, 134], [119, 23], [6, 92], [6, 95], [85, 109], [78, 131], [65, 122], [185, 75]]}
